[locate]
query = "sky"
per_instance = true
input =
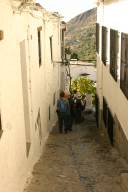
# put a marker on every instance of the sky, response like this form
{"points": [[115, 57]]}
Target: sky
{"points": [[67, 8]]}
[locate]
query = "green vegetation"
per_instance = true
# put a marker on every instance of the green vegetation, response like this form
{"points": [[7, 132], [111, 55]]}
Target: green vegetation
{"points": [[84, 85]]}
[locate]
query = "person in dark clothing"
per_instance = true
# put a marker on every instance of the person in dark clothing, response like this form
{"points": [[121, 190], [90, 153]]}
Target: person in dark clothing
{"points": [[63, 112], [78, 108], [71, 118], [83, 100]]}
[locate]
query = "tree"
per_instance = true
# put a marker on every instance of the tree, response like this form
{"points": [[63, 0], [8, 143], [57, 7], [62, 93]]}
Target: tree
{"points": [[84, 85]]}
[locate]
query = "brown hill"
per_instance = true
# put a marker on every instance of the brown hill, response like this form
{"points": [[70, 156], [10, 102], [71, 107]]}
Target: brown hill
{"points": [[80, 34]]}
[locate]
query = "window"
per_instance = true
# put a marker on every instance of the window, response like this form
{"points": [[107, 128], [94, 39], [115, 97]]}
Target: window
{"points": [[124, 64], [110, 126], [97, 105], [39, 45], [49, 113], [50, 38], [38, 122], [54, 99], [104, 45], [105, 115], [113, 53], [97, 37], [108, 120], [1, 131], [62, 44]]}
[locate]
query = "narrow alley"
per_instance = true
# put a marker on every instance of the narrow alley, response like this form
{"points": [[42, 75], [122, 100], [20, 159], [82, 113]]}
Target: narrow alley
{"points": [[80, 161]]}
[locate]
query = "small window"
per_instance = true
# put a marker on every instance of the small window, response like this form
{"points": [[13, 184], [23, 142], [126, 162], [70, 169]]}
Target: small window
{"points": [[105, 112], [38, 122], [49, 111], [108, 120], [110, 126], [51, 48], [1, 131], [62, 44], [54, 99], [97, 107], [97, 37], [39, 45]]}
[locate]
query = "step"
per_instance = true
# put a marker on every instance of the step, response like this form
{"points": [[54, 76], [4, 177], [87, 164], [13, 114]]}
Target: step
{"points": [[124, 182]]}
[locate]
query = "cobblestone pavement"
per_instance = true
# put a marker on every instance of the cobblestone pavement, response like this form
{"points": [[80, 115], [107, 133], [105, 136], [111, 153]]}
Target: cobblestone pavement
{"points": [[80, 161]]}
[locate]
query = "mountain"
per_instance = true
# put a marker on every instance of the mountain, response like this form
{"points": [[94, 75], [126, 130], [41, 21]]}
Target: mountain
{"points": [[80, 35]]}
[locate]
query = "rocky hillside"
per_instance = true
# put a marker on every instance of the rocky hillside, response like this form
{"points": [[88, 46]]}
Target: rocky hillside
{"points": [[80, 35]]}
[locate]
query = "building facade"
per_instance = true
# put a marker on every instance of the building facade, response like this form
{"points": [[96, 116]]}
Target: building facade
{"points": [[112, 71], [63, 67], [29, 87]]}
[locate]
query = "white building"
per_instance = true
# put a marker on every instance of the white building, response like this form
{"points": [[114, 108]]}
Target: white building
{"points": [[112, 71], [29, 85]]}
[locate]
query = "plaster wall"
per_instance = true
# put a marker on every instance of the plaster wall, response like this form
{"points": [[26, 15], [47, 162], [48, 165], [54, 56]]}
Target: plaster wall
{"points": [[21, 77]]}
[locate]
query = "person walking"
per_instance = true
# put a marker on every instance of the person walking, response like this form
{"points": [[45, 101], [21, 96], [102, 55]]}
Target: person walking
{"points": [[78, 108], [71, 114], [63, 111]]}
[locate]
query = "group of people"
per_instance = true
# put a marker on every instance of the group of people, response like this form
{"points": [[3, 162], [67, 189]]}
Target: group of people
{"points": [[69, 110]]}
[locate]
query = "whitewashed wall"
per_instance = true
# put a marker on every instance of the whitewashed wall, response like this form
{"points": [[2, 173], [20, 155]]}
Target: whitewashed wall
{"points": [[113, 14], [24, 89]]}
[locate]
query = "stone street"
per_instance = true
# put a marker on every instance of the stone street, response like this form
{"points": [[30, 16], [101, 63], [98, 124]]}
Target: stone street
{"points": [[80, 161]]}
